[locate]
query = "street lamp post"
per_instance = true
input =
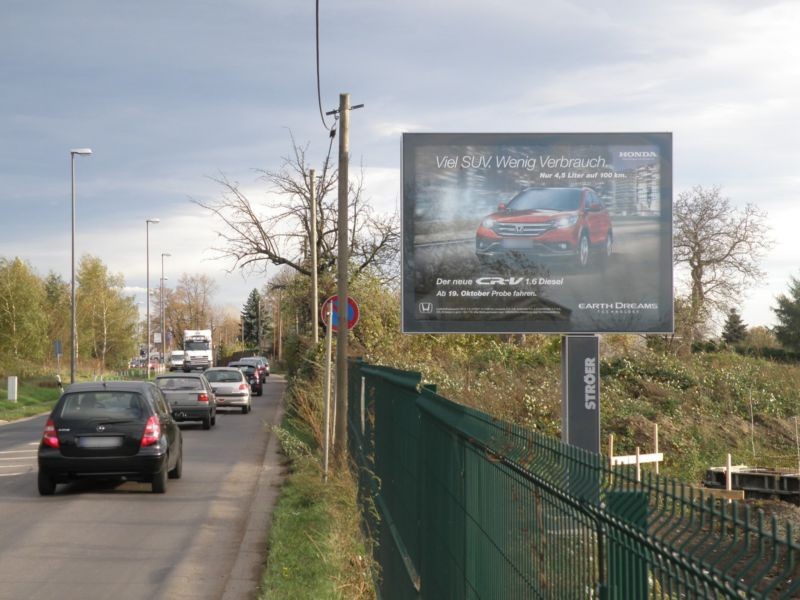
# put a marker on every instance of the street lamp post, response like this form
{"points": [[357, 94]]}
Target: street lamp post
{"points": [[147, 247], [73, 336], [163, 312]]}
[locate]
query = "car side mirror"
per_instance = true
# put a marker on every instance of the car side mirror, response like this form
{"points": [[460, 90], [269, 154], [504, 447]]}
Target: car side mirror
{"points": [[501, 207]]}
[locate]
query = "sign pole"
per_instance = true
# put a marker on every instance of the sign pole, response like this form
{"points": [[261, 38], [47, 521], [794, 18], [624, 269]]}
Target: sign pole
{"points": [[326, 389]]}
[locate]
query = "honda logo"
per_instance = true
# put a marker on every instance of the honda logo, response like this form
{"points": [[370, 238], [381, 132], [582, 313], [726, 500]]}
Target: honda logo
{"points": [[101, 428], [426, 307]]}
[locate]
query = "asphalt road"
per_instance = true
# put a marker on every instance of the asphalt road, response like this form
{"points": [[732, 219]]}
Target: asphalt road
{"points": [[203, 539]]}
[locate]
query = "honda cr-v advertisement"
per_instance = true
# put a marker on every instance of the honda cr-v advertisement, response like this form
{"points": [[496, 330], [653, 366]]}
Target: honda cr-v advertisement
{"points": [[547, 233]]}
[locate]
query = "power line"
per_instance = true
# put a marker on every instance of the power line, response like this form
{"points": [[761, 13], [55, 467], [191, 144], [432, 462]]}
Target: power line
{"points": [[330, 147], [319, 96]]}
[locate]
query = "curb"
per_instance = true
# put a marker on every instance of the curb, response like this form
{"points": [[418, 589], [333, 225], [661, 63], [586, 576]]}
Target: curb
{"points": [[245, 577], [22, 420]]}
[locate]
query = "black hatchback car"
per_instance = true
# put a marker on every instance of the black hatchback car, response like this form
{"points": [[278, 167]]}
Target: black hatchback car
{"points": [[251, 374], [113, 429]]}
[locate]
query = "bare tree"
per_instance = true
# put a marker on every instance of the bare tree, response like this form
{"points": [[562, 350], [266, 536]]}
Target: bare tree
{"points": [[720, 246], [276, 231], [189, 306]]}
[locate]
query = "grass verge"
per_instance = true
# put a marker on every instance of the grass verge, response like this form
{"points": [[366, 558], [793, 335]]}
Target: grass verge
{"points": [[315, 547], [34, 396]]}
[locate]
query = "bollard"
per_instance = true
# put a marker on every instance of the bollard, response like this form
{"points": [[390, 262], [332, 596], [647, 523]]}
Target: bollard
{"points": [[12, 388]]}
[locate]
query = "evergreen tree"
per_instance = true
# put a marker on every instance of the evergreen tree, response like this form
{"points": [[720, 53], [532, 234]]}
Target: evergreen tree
{"points": [[735, 329], [788, 313], [251, 319]]}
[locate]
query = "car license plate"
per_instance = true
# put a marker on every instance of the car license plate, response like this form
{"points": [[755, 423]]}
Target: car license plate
{"points": [[517, 244], [100, 442]]}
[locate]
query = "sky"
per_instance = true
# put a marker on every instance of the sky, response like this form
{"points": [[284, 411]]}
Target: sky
{"points": [[170, 95]]}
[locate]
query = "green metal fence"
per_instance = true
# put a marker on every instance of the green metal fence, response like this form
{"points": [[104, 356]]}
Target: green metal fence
{"points": [[462, 505]]}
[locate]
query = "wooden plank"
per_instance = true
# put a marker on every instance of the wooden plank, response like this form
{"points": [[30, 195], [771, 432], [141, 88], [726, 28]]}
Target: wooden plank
{"points": [[720, 493], [631, 459]]}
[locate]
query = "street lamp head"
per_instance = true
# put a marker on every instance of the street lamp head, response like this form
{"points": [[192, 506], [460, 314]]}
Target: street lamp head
{"points": [[153, 220], [81, 151]]}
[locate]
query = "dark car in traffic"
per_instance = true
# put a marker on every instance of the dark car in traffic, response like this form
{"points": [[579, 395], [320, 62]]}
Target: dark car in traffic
{"points": [[259, 362], [111, 429], [251, 374], [547, 223]]}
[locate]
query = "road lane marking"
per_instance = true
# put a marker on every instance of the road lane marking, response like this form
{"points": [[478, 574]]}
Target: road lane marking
{"points": [[10, 474], [13, 451], [19, 457], [14, 466]]}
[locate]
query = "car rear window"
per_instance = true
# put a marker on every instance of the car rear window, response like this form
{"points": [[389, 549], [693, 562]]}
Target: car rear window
{"points": [[547, 199], [223, 376], [179, 383], [103, 405]]}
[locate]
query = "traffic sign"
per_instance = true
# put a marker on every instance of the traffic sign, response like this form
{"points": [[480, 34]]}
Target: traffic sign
{"points": [[333, 303]]}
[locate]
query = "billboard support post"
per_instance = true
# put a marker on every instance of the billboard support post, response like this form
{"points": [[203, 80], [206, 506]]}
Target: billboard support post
{"points": [[580, 408], [580, 391]]}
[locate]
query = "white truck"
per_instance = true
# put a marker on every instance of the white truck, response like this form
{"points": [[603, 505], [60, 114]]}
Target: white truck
{"points": [[175, 360], [198, 352]]}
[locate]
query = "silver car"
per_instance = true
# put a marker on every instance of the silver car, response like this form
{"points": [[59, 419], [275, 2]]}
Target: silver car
{"points": [[230, 387], [189, 396]]}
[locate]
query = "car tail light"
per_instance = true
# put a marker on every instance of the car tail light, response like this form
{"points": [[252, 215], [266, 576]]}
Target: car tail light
{"points": [[152, 432], [202, 397], [243, 386], [50, 437]]}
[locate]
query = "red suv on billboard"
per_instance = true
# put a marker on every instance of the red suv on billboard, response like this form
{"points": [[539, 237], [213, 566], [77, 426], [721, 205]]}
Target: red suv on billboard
{"points": [[547, 222]]}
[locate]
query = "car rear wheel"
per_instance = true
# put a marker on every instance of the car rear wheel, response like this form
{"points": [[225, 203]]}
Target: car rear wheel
{"points": [[207, 422], [160, 481], [244, 410], [47, 486], [214, 420], [177, 471]]}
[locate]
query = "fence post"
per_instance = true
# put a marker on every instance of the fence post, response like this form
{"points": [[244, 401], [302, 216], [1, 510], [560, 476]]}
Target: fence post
{"points": [[627, 559]]}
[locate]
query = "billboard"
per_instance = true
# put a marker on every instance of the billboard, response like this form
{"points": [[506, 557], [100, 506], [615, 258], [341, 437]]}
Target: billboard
{"points": [[537, 233]]}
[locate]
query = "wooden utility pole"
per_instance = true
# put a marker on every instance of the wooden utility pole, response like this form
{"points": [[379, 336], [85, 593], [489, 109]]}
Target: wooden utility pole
{"points": [[340, 431], [313, 230], [277, 333]]}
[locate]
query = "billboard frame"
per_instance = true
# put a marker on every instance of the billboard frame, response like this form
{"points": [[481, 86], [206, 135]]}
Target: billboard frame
{"points": [[410, 304]]}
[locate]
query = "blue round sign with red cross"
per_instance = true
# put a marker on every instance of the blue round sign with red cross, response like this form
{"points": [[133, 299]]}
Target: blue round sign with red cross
{"points": [[332, 303]]}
